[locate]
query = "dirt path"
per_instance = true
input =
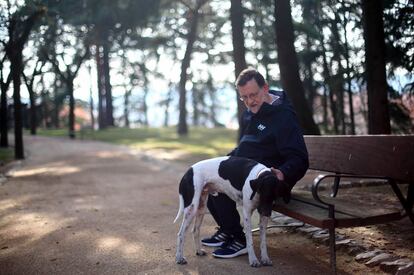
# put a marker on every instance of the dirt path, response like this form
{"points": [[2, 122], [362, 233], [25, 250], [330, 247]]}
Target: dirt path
{"points": [[81, 207]]}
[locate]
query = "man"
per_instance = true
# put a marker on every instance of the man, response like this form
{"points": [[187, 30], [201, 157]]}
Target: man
{"points": [[272, 136]]}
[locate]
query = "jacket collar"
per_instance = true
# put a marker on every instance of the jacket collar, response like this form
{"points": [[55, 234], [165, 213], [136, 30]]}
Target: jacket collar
{"points": [[264, 110]]}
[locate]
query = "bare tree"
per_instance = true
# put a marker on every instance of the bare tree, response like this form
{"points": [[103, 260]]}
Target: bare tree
{"points": [[239, 50], [288, 63], [5, 83], [80, 44], [193, 17], [378, 113], [29, 81], [19, 28]]}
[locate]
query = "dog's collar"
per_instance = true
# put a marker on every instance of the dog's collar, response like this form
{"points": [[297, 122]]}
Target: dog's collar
{"points": [[261, 171], [258, 174]]}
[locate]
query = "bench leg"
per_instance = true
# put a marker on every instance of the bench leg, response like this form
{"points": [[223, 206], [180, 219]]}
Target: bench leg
{"points": [[408, 202], [332, 245], [332, 249]]}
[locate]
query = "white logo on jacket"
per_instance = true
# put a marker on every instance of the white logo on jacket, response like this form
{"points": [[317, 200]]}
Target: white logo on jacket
{"points": [[261, 127]]}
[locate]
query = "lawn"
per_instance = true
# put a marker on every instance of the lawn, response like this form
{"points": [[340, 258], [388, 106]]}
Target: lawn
{"points": [[6, 155], [201, 142]]}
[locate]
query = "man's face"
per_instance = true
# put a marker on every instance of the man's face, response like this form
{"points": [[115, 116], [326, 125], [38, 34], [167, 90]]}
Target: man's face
{"points": [[252, 95]]}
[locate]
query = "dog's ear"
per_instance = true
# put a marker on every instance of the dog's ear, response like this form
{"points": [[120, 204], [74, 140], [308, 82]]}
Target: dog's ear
{"points": [[282, 189], [255, 185]]}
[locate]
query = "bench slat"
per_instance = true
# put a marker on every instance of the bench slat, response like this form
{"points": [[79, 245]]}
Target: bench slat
{"points": [[379, 155], [304, 208]]}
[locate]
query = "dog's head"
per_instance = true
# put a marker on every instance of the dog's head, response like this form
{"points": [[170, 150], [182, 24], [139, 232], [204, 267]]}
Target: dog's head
{"points": [[269, 189]]}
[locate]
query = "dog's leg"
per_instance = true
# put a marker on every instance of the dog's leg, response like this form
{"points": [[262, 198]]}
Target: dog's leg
{"points": [[199, 221], [196, 232], [264, 257], [189, 214], [247, 213]]}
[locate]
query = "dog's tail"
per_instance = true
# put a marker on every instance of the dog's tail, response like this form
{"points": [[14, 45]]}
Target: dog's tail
{"points": [[180, 209]]}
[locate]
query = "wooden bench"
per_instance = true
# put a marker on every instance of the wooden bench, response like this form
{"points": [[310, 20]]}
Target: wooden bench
{"points": [[371, 157]]}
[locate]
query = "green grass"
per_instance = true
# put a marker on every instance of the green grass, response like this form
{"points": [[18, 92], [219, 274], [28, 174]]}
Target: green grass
{"points": [[201, 142], [6, 155]]}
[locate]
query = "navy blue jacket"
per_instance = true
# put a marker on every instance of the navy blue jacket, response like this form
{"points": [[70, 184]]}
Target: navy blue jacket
{"points": [[274, 138]]}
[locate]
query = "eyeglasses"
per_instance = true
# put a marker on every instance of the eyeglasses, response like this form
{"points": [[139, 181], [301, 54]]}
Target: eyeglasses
{"points": [[252, 96]]}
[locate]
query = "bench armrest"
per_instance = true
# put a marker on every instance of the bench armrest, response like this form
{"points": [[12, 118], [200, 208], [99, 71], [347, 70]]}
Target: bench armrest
{"points": [[337, 177]]}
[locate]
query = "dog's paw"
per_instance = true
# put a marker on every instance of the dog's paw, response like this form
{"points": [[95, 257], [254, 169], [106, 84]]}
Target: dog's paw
{"points": [[255, 263], [201, 252], [181, 260], [266, 262]]}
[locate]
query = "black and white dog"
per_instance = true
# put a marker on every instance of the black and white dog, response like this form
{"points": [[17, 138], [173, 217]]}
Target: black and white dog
{"points": [[246, 181]]}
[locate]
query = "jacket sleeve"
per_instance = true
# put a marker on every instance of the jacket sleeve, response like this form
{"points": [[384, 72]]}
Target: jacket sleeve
{"points": [[292, 149], [232, 152]]}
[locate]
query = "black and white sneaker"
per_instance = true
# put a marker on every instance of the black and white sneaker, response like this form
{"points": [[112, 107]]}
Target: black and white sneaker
{"points": [[217, 239], [232, 249]]}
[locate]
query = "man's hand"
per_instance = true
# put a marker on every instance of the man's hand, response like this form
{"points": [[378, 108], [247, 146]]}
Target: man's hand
{"points": [[282, 189], [278, 173]]}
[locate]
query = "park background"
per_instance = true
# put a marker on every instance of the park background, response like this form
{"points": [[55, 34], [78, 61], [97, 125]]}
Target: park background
{"points": [[158, 76], [95, 65]]}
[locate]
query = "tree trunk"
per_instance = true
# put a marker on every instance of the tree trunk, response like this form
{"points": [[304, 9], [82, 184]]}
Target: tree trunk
{"points": [[18, 35], [101, 89], [326, 75], [167, 105], [56, 120], [144, 98], [107, 85], [333, 104], [91, 102], [289, 69], [351, 104], [46, 116], [91, 110], [195, 103], [69, 84], [348, 73], [328, 93], [32, 95], [33, 112], [333, 100], [339, 76], [4, 140], [182, 128], [239, 50], [213, 106], [378, 112], [337, 98], [308, 15], [325, 110], [308, 81], [16, 69], [349, 89], [126, 107]]}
